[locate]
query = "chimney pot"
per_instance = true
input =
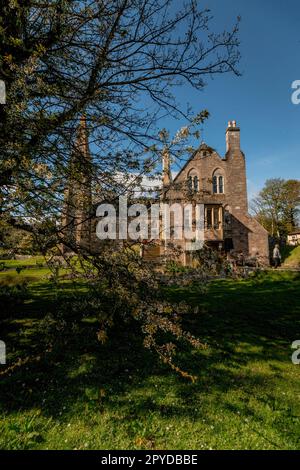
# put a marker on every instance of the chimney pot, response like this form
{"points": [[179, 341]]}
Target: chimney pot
{"points": [[232, 136]]}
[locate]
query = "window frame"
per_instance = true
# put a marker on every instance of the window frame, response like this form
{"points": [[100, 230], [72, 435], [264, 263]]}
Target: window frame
{"points": [[193, 181], [218, 182]]}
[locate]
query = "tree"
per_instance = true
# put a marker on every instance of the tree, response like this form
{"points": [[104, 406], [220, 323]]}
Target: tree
{"points": [[14, 241], [277, 206], [291, 204], [119, 64]]}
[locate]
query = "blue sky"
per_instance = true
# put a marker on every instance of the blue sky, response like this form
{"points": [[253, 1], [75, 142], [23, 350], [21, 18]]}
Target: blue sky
{"points": [[260, 100]]}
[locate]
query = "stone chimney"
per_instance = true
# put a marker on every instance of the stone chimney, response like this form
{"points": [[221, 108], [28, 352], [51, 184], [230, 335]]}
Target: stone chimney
{"points": [[82, 139], [232, 137], [76, 217], [166, 175]]}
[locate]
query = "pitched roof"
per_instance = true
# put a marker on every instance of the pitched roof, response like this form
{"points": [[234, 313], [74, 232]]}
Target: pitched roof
{"points": [[203, 147]]}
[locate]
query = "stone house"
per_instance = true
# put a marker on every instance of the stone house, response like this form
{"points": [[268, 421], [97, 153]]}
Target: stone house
{"points": [[293, 238], [220, 184], [217, 183]]}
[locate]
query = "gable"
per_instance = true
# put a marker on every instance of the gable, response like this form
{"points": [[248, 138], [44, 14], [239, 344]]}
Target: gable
{"points": [[203, 162]]}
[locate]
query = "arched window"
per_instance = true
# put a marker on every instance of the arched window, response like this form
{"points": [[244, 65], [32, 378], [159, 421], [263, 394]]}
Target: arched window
{"points": [[196, 183], [215, 184], [193, 181], [221, 184], [218, 182]]}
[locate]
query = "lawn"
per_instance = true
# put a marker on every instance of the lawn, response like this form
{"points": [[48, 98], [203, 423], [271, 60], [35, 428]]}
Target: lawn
{"points": [[84, 395], [33, 269], [293, 257]]}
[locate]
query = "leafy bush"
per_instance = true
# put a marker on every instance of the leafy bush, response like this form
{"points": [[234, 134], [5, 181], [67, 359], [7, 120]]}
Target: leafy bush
{"points": [[173, 267], [11, 295], [122, 288]]}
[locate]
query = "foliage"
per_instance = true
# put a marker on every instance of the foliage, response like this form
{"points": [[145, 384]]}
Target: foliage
{"points": [[115, 67], [116, 62], [12, 296], [125, 289], [209, 260], [14, 240], [277, 206], [174, 267]]}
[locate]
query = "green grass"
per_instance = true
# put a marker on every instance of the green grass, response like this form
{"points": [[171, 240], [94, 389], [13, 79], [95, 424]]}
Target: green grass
{"points": [[293, 258], [29, 270], [118, 396], [33, 269], [31, 261]]}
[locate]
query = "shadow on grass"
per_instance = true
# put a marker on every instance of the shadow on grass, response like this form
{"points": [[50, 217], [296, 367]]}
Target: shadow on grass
{"points": [[242, 323]]}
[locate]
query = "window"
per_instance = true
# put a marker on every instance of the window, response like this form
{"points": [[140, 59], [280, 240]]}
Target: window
{"points": [[208, 218], [216, 218], [218, 182], [213, 217], [196, 183], [193, 181], [215, 184], [221, 184]]}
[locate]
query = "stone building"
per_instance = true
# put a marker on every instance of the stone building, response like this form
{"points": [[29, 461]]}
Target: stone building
{"points": [[220, 184], [217, 183], [293, 238]]}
